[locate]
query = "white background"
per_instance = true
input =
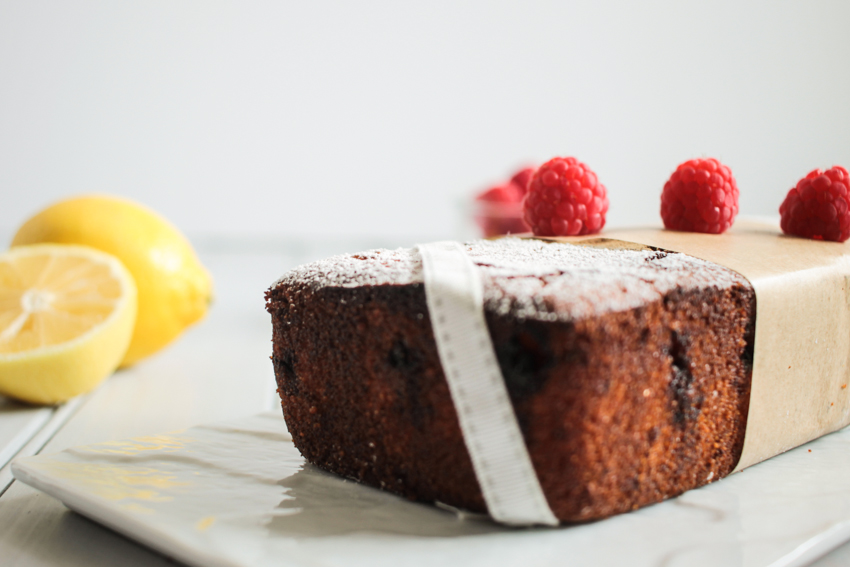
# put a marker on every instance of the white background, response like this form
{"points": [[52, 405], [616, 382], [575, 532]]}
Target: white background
{"points": [[312, 119]]}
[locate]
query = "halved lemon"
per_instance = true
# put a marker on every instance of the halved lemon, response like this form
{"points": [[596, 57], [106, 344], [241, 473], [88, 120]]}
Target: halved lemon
{"points": [[66, 317]]}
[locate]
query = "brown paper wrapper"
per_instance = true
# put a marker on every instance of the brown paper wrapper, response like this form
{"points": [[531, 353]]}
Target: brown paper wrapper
{"points": [[802, 339]]}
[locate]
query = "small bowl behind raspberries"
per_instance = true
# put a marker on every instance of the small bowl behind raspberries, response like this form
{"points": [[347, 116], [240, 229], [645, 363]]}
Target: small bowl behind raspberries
{"points": [[818, 206], [565, 198], [700, 196]]}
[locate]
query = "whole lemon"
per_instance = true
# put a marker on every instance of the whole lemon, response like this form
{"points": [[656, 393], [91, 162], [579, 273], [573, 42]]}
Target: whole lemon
{"points": [[174, 289]]}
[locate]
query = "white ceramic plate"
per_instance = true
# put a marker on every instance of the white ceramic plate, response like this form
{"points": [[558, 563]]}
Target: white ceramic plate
{"points": [[239, 494]]}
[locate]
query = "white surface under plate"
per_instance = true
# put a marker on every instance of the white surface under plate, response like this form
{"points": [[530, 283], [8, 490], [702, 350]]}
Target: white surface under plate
{"points": [[239, 494]]}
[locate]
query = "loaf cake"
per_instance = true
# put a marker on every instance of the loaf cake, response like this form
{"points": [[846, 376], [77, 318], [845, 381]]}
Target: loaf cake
{"points": [[628, 370]]}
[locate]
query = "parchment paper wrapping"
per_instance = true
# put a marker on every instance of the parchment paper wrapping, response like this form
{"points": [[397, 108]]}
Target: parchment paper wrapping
{"points": [[802, 340]]}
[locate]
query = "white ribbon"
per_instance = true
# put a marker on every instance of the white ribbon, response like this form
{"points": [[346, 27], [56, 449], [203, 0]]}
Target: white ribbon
{"points": [[454, 293]]}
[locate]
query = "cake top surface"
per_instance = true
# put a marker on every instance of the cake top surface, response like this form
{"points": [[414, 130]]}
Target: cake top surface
{"points": [[532, 278]]}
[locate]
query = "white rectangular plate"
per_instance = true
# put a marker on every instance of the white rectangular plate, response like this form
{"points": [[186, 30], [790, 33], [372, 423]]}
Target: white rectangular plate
{"points": [[239, 494]]}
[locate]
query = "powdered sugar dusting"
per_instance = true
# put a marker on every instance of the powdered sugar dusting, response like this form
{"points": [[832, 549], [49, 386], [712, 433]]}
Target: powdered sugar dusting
{"points": [[373, 267], [535, 279]]}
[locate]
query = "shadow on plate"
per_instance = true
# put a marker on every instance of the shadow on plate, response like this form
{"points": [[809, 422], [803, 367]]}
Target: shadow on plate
{"points": [[320, 504]]}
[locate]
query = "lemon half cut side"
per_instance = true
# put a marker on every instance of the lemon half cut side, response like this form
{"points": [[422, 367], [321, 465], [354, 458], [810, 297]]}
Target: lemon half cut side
{"points": [[66, 318]]}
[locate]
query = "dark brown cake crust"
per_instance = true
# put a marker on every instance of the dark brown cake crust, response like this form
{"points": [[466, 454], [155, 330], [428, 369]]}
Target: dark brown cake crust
{"points": [[618, 410]]}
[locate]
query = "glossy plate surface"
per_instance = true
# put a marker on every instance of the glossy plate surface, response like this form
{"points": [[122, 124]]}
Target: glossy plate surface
{"points": [[239, 494]]}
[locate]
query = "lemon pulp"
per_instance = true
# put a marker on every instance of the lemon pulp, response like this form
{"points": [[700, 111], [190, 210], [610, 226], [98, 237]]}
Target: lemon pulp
{"points": [[66, 318]]}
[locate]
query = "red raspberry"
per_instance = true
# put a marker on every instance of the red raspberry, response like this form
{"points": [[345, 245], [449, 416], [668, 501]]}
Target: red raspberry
{"points": [[818, 206], [501, 194], [521, 178], [700, 196], [565, 199], [498, 210]]}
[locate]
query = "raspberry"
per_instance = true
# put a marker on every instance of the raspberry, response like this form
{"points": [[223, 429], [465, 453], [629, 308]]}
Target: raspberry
{"points": [[499, 209], [700, 196], [818, 206], [521, 178], [565, 199], [501, 194]]}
